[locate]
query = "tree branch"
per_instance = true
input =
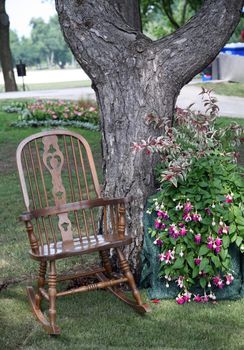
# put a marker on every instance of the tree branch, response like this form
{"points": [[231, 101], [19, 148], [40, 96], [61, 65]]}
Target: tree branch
{"points": [[192, 47], [168, 11]]}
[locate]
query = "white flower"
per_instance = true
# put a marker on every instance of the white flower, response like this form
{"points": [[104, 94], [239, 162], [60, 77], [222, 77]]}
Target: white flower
{"points": [[213, 205], [167, 285], [181, 254], [213, 223], [209, 285]]}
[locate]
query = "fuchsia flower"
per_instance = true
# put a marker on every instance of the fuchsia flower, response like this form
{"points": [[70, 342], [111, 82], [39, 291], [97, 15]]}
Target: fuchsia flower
{"points": [[180, 300], [218, 242], [208, 211], [158, 242], [196, 217], [187, 207], [204, 298], [163, 214], [218, 282], [228, 198], [186, 217], [198, 238], [159, 225], [197, 298], [167, 257], [229, 278], [197, 261], [180, 281], [223, 229], [173, 231], [183, 231]]}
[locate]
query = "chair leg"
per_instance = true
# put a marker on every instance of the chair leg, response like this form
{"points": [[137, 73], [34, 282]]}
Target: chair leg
{"points": [[104, 254], [41, 282], [52, 292], [135, 292]]}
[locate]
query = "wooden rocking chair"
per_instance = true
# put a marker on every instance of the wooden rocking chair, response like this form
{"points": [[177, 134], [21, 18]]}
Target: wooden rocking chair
{"points": [[62, 218]]}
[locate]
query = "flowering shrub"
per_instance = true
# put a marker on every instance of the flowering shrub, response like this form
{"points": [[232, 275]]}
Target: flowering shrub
{"points": [[44, 112], [199, 211]]}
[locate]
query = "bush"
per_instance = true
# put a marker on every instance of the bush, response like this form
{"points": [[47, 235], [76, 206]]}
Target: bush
{"points": [[199, 208]]}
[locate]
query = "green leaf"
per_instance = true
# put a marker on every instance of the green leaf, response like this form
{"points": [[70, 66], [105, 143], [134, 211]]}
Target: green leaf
{"points": [[203, 250], [216, 261], [239, 241], [226, 241], [190, 261], [233, 238], [195, 272], [223, 254], [179, 263], [232, 228], [203, 282], [204, 264]]}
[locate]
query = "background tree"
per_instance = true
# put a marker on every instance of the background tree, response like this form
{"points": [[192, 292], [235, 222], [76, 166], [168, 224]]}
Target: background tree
{"points": [[5, 53], [135, 77], [162, 17], [46, 45]]}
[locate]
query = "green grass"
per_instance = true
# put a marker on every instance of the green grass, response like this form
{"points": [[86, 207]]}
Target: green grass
{"points": [[53, 86], [227, 89], [93, 320]]}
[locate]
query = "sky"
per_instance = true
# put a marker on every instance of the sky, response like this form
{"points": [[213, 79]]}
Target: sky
{"points": [[21, 11]]}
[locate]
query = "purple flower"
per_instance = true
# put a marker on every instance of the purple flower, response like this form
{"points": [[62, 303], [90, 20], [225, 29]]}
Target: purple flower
{"points": [[183, 231], [198, 238], [229, 198], [163, 214], [173, 231], [186, 217], [217, 250], [196, 217], [187, 207], [204, 298], [218, 242], [197, 261], [210, 242], [159, 225], [158, 242], [167, 257], [208, 211], [197, 298], [180, 281], [180, 300], [218, 282]]}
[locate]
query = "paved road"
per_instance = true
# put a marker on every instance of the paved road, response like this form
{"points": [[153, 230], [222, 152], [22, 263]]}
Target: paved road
{"points": [[230, 106]]}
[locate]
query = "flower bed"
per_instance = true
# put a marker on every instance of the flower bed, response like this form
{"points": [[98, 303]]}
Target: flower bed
{"points": [[55, 113], [198, 211]]}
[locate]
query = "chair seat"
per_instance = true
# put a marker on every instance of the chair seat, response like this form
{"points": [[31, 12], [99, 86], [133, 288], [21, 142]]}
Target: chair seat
{"points": [[62, 249]]}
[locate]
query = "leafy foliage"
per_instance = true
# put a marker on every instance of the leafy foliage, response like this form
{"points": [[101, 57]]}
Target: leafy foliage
{"points": [[199, 209]]}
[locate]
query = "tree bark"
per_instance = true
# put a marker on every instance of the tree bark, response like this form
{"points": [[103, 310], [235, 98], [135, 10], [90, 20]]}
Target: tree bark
{"points": [[134, 77], [5, 52]]}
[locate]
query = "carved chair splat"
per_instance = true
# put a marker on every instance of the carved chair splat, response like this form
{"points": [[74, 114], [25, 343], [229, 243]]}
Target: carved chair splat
{"points": [[63, 210]]}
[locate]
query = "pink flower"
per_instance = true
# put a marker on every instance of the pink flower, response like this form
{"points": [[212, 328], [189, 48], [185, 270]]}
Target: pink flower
{"points": [[183, 231], [229, 278], [187, 207], [196, 217], [218, 282], [197, 261], [217, 250], [204, 298], [198, 238], [187, 297], [228, 198], [163, 214], [223, 229], [218, 241], [159, 225], [158, 242], [180, 281], [187, 217], [167, 257], [180, 300], [173, 231], [197, 298]]}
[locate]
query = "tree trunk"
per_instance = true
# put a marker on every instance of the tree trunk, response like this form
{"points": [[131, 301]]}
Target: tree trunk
{"points": [[5, 53], [134, 77]]}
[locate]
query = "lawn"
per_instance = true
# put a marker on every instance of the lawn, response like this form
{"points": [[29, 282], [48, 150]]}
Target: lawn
{"points": [[227, 89], [93, 320]]}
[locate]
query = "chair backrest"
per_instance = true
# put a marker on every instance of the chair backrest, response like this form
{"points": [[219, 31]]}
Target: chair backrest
{"points": [[56, 168]]}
